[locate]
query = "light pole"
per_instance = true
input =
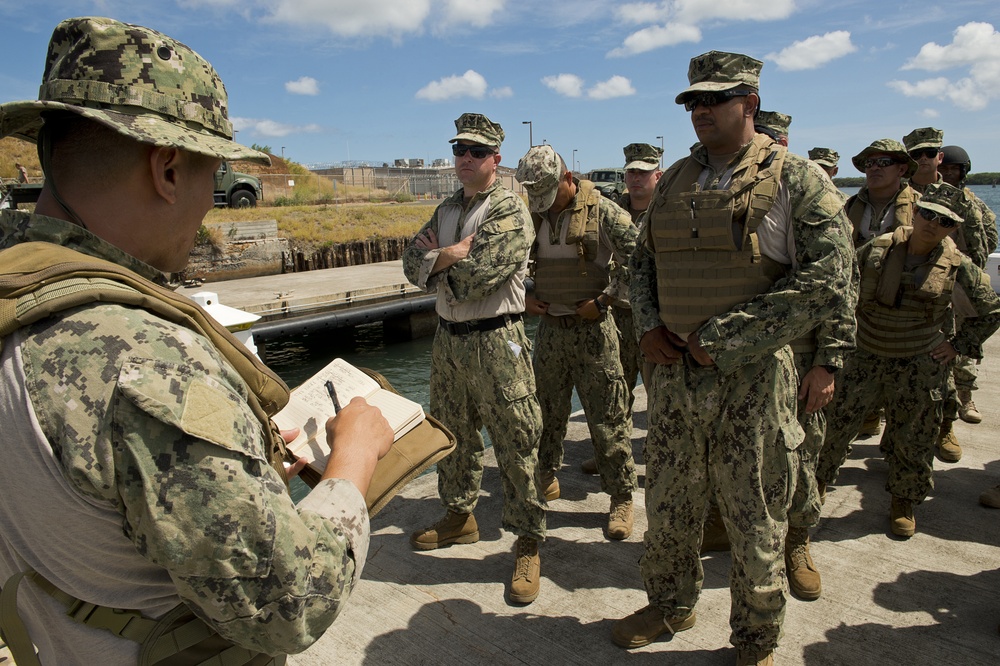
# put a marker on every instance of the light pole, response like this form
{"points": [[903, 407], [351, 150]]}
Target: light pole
{"points": [[661, 150], [572, 165], [531, 140]]}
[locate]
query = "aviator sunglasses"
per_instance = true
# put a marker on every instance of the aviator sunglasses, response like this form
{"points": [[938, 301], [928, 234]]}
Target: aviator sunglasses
{"points": [[712, 98], [479, 152], [881, 162], [931, 216]]}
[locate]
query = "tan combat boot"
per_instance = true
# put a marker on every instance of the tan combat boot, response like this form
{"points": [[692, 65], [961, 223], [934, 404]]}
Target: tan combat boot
{"points": [[453, 528], [527, 576], [550, 485], [751, 657], [901, 515], [967, 411], [872, 424], [803, 576], [821, 486], [589, 466], [948, 448], [620, 518], [991, 497], [646, 625], [714, 536]]}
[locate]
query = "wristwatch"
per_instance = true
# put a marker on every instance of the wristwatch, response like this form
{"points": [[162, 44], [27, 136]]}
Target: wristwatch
{"points": [[601, 307]]}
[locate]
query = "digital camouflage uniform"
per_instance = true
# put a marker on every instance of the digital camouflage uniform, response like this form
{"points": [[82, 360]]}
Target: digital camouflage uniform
{"points": [[827, 157], [868, 222], [485, 378], [729, 431], [773, 123]]}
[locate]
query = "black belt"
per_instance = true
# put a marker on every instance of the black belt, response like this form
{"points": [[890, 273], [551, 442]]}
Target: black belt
{"points": [[478, 325]]}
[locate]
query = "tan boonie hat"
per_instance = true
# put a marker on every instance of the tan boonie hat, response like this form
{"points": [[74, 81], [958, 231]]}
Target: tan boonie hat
{"points": [[774, 121], [715, 71], [924, 137], [944, 199], [888, 147], [138, 82], [825, 156], [642, 156], [478, 128], [540, 171]]}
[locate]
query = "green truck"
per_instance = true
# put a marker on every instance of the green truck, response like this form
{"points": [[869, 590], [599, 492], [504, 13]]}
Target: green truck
{"points": [[611, 182]]}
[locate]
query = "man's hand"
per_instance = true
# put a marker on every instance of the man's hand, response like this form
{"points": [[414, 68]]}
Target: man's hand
{"points": [[358, 436], [293, 469], [944, 352], [817, 389], [533, 306], [448, 256], [587, 309], [661, 346], [426, 240], [698, 352]]}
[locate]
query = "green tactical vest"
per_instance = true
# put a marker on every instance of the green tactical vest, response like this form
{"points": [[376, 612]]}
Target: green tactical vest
{"points": [[897, 317], [902, 214], [39, 279], [700, 271]]}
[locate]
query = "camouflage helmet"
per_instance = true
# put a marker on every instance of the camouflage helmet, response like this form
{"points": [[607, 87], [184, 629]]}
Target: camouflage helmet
{"points": [[716, 71], [136, 81], [775, 122], [888, 147], [824, 156], [944, 199], [642, 156], [478, 128], [540, 171], [924, 137]]}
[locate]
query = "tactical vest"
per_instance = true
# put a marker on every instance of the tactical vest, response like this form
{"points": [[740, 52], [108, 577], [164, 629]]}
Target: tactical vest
{"points": [[700, 270], [576, 276], [38, 279], [902, 214], [896, 316]]}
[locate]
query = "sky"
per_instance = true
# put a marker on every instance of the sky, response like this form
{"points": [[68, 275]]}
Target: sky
{"points": [[328, 81]]}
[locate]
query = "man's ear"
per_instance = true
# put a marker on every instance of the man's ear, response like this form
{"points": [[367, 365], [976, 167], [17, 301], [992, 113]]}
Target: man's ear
{"points": [[163, 166]]}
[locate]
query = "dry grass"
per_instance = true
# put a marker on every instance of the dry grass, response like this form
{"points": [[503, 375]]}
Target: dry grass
{"points": [[15, 150]]}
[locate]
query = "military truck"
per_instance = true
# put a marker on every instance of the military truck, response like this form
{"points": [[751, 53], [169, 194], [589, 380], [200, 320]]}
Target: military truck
{"points": [[611, 182], [235, 189]]}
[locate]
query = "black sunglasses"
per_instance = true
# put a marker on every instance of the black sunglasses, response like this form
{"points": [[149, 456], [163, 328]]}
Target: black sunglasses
{"points": [[882, 162], [479, 152], [931, 216], [713, 98], [924, 152]]}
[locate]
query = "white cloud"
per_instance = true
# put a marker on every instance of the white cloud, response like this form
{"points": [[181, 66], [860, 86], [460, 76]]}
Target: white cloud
{"points": [[350, 18], [502, 93], [696, 11], [643, 12], [568, 85], [616, 86], [470, 84], [655, 37], [305, 85], [813, 52], [930, 113], [474, 12], [972, 43], [271, 128]]}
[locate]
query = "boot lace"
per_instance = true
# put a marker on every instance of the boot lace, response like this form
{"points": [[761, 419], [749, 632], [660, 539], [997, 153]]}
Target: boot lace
{"points": [[522, 566], [620, 509]]}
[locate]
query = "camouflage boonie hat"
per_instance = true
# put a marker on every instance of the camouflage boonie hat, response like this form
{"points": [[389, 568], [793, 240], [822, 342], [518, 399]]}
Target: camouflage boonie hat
{"points": [[539, 171], [924, 137], [889, 147], [138, 82], [825, 156], [715, 71], [773, 120], [478, 128], [944, 199], [642, 156]]}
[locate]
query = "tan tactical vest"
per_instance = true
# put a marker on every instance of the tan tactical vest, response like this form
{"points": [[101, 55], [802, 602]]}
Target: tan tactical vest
{"points": [[38, 279], [902, 214], [700, 270], [576, 276], [896, 316]]}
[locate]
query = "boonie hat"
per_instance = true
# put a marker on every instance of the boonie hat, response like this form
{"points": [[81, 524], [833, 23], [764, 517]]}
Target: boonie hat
{"points": [[774, 121], [924, 137], [642, 156], [716, 70], [135, 80], [889, 147], [478, 128], [539, 171], [944, 199], [825, 156]]}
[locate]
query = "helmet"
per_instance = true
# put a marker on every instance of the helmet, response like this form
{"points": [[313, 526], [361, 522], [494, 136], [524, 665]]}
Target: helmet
{"points": [[957, 155]]}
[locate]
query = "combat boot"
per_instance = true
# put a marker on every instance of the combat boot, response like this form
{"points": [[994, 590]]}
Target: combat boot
{"points": [[527, 571], [589, 466], [550, 485], [746, 656], [620, 518], [991, 497], [646, 625], [453, 528], [901, 515], [714, 536], [821, 487], [803, 576], [872, 424], [948, 448], [967, 411]]}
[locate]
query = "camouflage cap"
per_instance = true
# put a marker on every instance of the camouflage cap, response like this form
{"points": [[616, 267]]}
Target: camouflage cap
{"points": [[944, 199], [774, 121], [924, 137], [642, 156], [825, 156], [478, 128], [715, 71], [888, 147], [540, 171], [138, 82]]}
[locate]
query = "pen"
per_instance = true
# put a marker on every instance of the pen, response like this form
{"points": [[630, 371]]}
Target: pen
{"points": [[333, 396]]}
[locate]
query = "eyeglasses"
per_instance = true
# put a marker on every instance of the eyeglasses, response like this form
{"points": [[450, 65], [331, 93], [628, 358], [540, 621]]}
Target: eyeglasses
{"points": [[713, 98], [931, 216], [881, 162], [929, 153], [479, 152]]}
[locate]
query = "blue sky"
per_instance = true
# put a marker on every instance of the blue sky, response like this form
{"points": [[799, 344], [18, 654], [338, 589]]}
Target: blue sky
{"points": [[376, 80]]}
